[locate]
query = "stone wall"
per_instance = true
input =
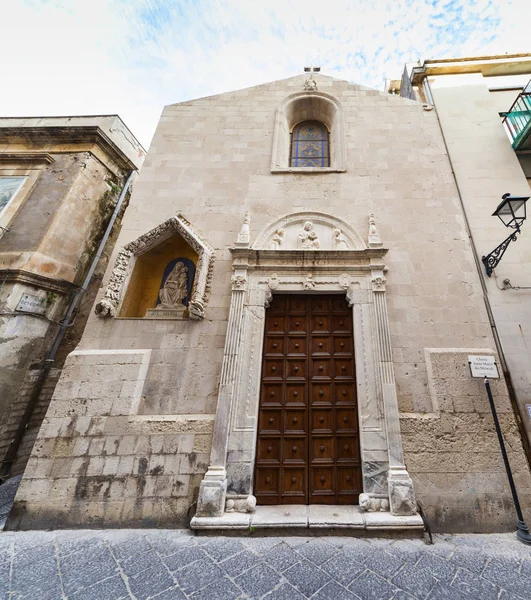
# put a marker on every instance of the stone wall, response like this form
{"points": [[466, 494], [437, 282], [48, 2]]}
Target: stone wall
{"points": [[117, 471], [49, 235], [211, 160], [453, 452]]}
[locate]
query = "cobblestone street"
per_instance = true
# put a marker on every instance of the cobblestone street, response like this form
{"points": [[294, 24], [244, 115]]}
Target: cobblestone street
{"points": [[164, 565]]}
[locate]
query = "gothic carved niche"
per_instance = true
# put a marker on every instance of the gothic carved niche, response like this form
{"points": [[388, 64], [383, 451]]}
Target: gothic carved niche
{"points": [[309, 231], [110, 304]]}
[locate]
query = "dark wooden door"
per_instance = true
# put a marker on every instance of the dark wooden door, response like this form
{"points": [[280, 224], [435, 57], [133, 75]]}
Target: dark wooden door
{"points": [[308, 437]]}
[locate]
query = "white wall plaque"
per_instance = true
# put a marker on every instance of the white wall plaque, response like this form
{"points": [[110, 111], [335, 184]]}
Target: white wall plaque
{"points": [[32, 304], [483, 366]]}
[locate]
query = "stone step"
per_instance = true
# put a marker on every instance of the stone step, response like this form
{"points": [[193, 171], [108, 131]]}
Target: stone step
{"points": [[299, 519]]}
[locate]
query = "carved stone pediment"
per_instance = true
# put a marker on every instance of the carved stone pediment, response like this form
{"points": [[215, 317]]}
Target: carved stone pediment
{"points": [[309, 231], [109, 305]]}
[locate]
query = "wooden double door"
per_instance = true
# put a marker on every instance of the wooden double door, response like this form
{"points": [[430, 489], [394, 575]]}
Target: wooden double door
{"points": [[308, 449]]}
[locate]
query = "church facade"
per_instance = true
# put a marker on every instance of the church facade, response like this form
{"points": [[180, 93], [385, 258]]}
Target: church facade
{"points": [[282, 338]]}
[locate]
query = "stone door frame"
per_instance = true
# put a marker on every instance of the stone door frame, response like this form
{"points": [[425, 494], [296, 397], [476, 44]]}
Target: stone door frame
{"points": [[256, 276]]}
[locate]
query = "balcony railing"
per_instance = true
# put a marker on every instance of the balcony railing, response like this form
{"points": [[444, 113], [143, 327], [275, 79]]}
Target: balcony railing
{"points": [[518, 120]]}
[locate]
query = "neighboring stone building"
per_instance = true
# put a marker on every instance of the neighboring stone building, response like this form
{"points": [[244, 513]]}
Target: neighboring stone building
{"points": [[287, 318], [60, 179], [474, 99]]}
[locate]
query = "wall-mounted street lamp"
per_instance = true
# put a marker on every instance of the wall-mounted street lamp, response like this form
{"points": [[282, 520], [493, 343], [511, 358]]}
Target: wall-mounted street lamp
{"points": [[512, 213]]}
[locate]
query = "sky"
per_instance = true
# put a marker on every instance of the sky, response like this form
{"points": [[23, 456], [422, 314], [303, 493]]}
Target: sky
{"points": [[133, 57]]}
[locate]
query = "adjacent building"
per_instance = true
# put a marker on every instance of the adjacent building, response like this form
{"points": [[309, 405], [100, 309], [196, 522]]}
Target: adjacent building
{"points": [[283, 333], [484, 109], [60, 180]]}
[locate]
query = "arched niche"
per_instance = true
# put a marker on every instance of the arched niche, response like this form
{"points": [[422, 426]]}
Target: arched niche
{"points": [[142, 266], [283, 234], [308, 106]]}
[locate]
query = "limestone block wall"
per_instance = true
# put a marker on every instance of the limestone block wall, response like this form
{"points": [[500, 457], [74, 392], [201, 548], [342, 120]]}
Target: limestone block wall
{"points": [[113, 471], [453, 451], [211, 160]]}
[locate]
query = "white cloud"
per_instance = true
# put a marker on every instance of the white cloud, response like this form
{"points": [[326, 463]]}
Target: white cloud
{"points": [[134, 56]]}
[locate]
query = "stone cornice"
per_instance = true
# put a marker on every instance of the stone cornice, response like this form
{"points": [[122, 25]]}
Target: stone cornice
{"points": [[367, 259], [68, 135], [26, 157], [40, 281], [516, 64]]}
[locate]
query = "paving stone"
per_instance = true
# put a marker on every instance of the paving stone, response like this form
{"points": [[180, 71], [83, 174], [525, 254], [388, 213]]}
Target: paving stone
{"points": [[443, 592], [505, 595], [150, 583], [306, 577], [258, 581], [262, 568], [502, 571], [71, 545], [239, 563], [198, 575], [343, 569], [414, 580], [281, 557], [471, 584], [132, 546], [383, 563], [222, 589], [166, 545], [261, 545], [333, 590], [401, 595], [317, 551], [185, 556], [112, 588], [141, 562], [174, 593], [33, 555], [406, 551], [525, 568], [37, 580], [370, 586], [223, 548], [284, 592], [82, 569], [470, 559], [441, 569]]}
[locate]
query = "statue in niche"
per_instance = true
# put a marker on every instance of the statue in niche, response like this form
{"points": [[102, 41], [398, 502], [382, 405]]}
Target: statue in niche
{"points": [[277, 240], [307, 238], [175, 288], [340, 241]]}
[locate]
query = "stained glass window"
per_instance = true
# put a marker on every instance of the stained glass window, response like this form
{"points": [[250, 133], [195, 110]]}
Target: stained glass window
{"points": [[9, 186], [309, 145]]}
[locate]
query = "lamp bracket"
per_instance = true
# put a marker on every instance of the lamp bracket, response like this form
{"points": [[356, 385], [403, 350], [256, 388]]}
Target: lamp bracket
{"points": [[491, 260]]}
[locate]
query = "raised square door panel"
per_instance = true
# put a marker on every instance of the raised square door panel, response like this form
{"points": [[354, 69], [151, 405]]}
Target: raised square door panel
{"points": [[308, 438]]}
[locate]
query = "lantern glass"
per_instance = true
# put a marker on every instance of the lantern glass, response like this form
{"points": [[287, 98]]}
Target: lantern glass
{"points": [[512, 211]]}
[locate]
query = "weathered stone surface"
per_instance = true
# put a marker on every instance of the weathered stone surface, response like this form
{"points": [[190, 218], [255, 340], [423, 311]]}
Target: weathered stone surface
{"points": [[414, 324]]}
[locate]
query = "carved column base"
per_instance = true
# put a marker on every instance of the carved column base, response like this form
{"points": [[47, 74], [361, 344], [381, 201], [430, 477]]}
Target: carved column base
{"points": [[402, 499], [212, 493]]}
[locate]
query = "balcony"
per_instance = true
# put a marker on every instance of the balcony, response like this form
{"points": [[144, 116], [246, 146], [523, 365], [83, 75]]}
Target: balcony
{"points": [[518, 120]]}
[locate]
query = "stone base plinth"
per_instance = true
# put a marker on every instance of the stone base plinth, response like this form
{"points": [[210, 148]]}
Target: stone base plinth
{"points": [[315, 516]]}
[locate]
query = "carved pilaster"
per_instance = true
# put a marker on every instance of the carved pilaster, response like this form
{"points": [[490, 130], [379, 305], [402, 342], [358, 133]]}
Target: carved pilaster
{"points": [[213, 489], [401, 492]]}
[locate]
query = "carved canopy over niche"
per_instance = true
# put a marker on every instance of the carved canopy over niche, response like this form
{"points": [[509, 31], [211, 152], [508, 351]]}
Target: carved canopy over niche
{"points": [[308, 106], [309, 231], [109, 305]]}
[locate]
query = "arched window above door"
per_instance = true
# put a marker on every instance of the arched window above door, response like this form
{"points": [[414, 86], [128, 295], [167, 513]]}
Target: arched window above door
{"points": [[310, 145], [314, 121]]}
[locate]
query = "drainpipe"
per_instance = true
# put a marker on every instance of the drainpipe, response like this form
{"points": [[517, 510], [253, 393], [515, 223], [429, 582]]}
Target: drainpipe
{"points": [[49, 360], [492, 322]]}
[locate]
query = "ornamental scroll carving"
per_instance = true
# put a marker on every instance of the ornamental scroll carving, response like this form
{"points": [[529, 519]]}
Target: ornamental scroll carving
{"points": [[109, 305]]}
